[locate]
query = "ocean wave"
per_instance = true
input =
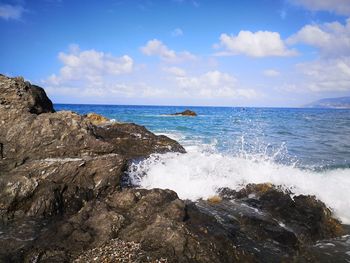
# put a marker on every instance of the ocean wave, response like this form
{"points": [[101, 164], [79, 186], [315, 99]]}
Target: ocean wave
{"points": [[200, 173]]}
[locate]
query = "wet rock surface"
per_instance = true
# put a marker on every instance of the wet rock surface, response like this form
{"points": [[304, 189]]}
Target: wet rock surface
{"points": [[61, 198]]}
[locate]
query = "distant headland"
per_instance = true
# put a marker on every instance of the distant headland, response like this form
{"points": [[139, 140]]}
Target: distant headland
{"points": [[331, 103]]}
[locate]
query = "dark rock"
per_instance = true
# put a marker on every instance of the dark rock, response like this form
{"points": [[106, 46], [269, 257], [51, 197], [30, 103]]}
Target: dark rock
{"points": [[16, 94], [308, 217], [48, 187], [25, 137], [186, 113], [53, 163]]}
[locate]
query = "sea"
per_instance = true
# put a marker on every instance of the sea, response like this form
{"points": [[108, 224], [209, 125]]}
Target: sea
{"points": [[304, 150]]}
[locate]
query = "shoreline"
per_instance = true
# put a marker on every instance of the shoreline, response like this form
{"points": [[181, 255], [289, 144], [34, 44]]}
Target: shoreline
{"points": [[61, 180]]}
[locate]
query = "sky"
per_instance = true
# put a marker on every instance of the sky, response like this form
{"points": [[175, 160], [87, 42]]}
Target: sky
{"points": [[264, 53]]}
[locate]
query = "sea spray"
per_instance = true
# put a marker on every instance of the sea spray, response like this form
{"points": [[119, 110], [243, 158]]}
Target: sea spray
{"points": [[200, 173]]}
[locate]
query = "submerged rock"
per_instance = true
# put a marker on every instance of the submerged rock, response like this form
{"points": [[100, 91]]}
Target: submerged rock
{"points": [[186, 113]]}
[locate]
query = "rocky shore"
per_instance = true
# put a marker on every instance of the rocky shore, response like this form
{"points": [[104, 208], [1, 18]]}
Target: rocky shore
{"points": [[62, 200]]}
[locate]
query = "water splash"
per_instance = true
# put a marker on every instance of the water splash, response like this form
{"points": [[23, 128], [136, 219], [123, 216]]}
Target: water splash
{"points": [[202, 171]]}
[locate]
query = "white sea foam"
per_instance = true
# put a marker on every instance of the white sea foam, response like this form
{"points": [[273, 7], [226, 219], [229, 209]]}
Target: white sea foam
{"points": [[199, 174]]}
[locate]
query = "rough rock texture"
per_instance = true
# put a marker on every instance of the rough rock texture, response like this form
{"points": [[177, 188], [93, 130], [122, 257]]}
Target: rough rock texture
{"points": [[19, 95], [293, 213], [186, 113], [61, 198], [97, 119], [52, 163]]}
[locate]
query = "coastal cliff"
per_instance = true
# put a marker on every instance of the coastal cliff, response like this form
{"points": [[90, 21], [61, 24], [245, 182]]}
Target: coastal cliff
{"points": [[62, 197]]}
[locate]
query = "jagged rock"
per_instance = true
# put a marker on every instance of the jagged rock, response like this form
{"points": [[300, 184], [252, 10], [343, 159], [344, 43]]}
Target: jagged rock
{"points": [[156, 219], [25, 136], [53, 162], [54, 186], [186, 113], [17, 94], [308, 218]]}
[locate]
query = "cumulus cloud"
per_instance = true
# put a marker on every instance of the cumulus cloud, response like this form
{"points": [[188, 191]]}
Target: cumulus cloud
{"points": [[177, 32], [326, 74], [271, 73], [89, 65], [333, 39], [8, 12], [94, 76], [156, 47], [330, 71], [254, 44], [341, 7]]}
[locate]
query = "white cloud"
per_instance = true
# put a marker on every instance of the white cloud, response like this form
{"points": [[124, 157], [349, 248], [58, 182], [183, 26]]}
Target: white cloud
{"points": [[177, 32], [157, 48], [8, 12], [89, 65], [212, 84], [330, 71], [341, 7], [271, 73], [254, 44], [326, 74], [333, 39], [175, 71], [96, 77]]}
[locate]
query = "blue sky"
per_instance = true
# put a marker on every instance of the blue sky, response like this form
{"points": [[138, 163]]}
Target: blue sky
{"points": [[179, 52]]}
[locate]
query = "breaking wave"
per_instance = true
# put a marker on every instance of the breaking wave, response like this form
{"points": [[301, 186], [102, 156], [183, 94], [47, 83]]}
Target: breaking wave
{"points": [[202, 171]]}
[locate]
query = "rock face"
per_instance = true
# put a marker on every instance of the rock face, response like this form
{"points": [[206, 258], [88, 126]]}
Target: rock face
{"points": [[61, 197], [52, 163], [186, 113]]}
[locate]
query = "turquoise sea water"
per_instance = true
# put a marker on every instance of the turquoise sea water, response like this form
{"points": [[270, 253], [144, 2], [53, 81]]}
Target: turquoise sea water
{"points": [[305, 150]]}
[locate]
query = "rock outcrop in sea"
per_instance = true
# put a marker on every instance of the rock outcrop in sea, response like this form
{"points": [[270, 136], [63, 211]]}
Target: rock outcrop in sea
{"points": [[185, 113], [62, 197]]}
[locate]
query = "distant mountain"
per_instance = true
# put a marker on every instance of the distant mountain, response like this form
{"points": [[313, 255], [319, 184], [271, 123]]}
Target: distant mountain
{"points": [[331, 103]]}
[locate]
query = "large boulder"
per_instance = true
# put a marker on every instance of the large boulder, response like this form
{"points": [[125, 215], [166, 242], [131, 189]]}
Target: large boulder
{"points": [[52, 162], [31, 131], [17, 94]]}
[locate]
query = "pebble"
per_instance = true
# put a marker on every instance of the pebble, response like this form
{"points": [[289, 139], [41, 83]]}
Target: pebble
{"points": [[117, 251]]}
